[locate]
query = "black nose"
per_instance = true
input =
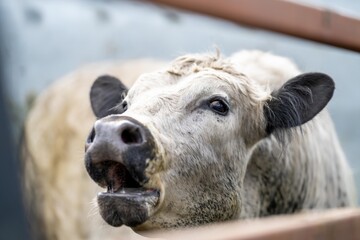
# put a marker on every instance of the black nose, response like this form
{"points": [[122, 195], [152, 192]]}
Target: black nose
{"points": [[117, 152]]}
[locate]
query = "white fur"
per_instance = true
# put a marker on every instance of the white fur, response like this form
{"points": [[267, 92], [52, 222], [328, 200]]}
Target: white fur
{"points": [[228, 170]]}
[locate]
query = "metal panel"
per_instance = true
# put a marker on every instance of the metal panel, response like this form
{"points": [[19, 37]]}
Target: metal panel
{"points": [[318, 24], [330, 225]]}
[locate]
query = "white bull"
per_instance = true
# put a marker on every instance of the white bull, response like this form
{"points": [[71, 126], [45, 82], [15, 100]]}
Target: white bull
{"points": [[210, 139], [204, 139]]}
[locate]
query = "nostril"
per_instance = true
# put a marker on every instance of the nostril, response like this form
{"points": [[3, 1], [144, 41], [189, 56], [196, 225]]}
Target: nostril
{"points": [[131, 136], [124, 106], [91, 136]]}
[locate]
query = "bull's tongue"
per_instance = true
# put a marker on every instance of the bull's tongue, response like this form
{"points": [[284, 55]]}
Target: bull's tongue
{"points": [[129, 206]]}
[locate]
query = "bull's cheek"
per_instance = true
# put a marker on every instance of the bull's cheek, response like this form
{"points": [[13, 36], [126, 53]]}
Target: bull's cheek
{"points": [[154, 166], [235, 206], [154, 172], [156, 182]]}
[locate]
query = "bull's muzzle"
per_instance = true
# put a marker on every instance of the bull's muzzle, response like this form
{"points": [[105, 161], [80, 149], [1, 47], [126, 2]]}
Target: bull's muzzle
{"points": [[118, 151]]}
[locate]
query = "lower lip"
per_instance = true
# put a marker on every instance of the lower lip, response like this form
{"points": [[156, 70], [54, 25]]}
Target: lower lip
{"points": [[129, 206]]}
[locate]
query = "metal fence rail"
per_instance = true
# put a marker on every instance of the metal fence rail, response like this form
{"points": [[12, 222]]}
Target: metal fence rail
{"points": [[330, 225], [321, 25]]}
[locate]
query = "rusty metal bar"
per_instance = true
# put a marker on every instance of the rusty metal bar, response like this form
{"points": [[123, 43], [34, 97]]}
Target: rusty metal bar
{"points": [[333, 224], [317, 24]]}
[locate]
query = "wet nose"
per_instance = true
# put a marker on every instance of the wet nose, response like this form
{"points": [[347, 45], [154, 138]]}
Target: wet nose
{"points": [[117, 151], [125, 132]]}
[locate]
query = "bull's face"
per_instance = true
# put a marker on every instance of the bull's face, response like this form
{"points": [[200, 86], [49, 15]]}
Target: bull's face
{"points": [[166, 151], [173, 150]]}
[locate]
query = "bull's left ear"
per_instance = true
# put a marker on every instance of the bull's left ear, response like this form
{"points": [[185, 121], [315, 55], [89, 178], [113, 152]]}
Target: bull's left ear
{"points": [[298, 101], [105, 94]]}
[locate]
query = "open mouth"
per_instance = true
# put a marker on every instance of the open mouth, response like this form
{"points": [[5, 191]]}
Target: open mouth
{"points": [[125, 201]]}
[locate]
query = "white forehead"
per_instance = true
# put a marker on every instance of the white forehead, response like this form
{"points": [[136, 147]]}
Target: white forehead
{"points": [[199, 74]]}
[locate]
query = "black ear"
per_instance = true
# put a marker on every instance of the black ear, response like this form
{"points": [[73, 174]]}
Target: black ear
{"points": [[298, 101], [106, 92]]}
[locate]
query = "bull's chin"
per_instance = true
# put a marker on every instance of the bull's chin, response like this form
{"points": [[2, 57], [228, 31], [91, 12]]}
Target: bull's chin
{"points": [[128, 206]]}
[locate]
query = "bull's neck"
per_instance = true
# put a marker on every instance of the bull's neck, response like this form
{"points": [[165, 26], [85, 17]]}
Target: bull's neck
{"points": [[270, 185]]}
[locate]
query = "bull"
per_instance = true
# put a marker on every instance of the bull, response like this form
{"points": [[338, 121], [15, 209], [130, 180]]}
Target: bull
{"points": [[209, 139]]}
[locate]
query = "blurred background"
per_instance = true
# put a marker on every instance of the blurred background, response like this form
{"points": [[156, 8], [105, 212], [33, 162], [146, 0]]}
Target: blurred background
{"points": [[42, 40]]}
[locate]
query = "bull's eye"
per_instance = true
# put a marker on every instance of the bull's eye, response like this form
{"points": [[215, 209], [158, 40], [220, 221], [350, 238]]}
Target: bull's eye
{"points": [[219, 106]]}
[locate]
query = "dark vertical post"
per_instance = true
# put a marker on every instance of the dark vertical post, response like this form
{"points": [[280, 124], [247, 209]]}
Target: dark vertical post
{"points": [[13, 224]]}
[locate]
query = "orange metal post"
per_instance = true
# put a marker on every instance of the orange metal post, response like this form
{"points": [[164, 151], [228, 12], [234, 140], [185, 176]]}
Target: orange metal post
{"points": [[321, 25], [328, 225]]}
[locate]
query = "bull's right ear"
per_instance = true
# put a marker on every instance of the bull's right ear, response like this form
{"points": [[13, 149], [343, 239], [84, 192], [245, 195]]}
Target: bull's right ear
{"points": [[298, 101], [105, 94]]}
